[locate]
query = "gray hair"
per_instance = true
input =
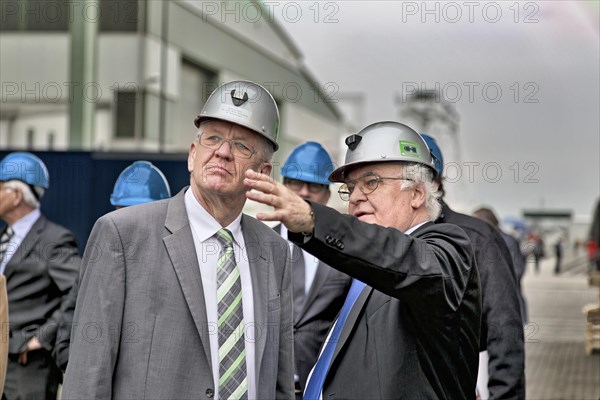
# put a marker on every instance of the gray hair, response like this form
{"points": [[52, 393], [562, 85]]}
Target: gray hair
{"points": [[422, 175], [28, 196]]}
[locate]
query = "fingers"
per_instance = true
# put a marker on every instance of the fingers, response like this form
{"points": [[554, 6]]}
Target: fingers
{"points": [[22, 358], [267, 199]]}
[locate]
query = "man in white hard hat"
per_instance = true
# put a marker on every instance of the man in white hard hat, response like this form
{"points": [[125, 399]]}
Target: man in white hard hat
{"points": [[192, 298], [409, 328]]}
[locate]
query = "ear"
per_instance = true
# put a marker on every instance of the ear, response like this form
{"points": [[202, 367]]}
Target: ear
{"points": [[266, 168], [327, 196], [191, 156], [418, 196]]}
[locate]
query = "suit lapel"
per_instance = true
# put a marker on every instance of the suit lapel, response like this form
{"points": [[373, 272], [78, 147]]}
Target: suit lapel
{"points": [[321, 277], [259, 272], [182, 252], [26, 246], [352, 318]]}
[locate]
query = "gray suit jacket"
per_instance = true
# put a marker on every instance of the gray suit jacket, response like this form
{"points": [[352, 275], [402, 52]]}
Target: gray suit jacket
{"points": [[321, 306], [140, 326]]}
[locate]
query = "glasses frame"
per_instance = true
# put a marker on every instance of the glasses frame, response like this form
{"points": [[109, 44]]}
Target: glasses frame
{"points": [[344, 191], [296, 185], [233, 148]]}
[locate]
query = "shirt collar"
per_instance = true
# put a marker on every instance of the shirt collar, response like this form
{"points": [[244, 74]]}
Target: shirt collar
{"points": [[414, 228], [23, 226], [205, 225]]}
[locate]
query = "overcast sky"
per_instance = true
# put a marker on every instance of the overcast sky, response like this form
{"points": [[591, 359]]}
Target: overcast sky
{"points": [[545, 135]]}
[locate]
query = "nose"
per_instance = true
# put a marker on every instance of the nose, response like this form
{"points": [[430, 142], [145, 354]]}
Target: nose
{"points": [[303, 192], [225, 150], [357, 196]]}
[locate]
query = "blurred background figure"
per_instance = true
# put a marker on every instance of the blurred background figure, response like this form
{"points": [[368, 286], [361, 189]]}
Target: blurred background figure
{"points": [[3, 330], [319, 291], [40, 263], [502, 344], [139, 183], [489, 216], [594, 239], [535, 248], [558, 252]]}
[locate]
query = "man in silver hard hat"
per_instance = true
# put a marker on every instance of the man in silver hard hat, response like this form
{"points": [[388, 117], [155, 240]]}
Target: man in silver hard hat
{"points": [[190, 297], [409, 328]]}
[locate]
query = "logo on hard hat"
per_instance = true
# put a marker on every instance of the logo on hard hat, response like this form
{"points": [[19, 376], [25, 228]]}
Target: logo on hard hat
{"points": [[410, 149]]}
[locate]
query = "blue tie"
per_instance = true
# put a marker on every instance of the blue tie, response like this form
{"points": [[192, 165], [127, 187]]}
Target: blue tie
{"points": [[315, 384]]}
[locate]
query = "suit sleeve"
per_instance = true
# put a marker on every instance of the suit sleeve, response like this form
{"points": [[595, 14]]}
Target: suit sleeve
{"points": [[502, 315], [63, 334], [63, 267], [430, 273], [285, 376], [98, 315]]}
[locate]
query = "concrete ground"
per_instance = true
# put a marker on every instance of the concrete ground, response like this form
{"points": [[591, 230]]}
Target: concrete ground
{"points": [[557, 366]]}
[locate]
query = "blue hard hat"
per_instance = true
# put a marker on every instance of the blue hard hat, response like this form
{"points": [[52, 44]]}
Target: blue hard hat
{"points": [[308, 162], [25, 167], [139, 183], [436, 153]]}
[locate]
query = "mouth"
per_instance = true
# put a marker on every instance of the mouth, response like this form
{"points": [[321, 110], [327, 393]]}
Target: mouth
{"points": [[359, 214], [219, 170]]}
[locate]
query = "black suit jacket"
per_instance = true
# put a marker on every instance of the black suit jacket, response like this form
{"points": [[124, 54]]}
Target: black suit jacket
{"points": [[413, 332], [322, 304], [38, 277], [502, 329]]}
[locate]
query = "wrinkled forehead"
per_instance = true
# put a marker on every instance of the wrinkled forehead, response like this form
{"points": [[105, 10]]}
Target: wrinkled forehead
{"points": [[380, 168], [228, 130]]}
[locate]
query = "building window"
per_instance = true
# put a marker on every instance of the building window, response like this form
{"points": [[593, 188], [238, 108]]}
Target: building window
{"points": [[56, 15], [30, 138], [197, 84], [119, 15], [125, 114]]}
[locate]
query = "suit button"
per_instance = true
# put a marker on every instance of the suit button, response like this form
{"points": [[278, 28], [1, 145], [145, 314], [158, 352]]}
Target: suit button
{"points": [[210, 393], [340, 246], [329, 239]]}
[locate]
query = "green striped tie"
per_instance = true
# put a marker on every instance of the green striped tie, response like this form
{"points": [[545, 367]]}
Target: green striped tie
{"points": [[233, 380]]}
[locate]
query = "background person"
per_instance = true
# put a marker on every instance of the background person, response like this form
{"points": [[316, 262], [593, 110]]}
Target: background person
{"points": [[319, 290], [40, 263], [139, 183], [502, 345]]}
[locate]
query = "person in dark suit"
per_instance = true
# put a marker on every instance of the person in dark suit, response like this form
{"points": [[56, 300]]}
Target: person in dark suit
{"points": [[40, 261], [409, 328], [3, 331], [139, 183], [488, 215], [319, 290], [502, 347], [187, 297]]}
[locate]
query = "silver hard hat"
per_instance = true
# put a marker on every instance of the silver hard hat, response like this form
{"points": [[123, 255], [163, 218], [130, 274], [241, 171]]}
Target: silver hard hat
{"points": [[244, 103], [381, 142]]}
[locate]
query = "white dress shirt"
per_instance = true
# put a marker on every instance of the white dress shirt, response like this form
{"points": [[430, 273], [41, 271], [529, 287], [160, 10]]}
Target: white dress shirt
{"points": [[204, 227], [20, 228], [311, 263]]}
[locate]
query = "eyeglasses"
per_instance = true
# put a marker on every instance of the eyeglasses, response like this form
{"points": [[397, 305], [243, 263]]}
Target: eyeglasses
{"points": [[214, 142], [366, 183], [296, 186]]}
